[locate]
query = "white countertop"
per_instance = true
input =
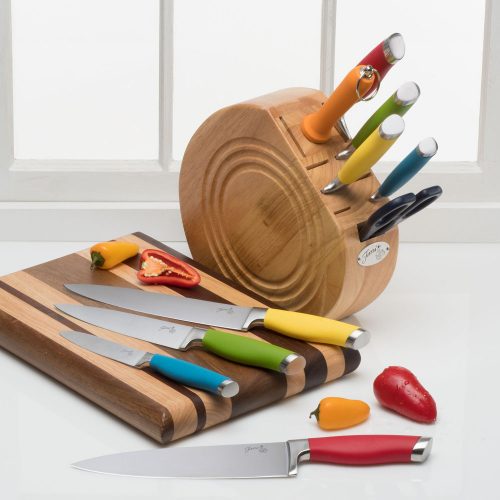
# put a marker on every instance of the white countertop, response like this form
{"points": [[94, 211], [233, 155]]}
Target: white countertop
{"points": [[437, 317]]}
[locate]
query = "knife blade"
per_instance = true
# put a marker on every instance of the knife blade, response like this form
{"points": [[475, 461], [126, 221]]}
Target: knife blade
{"points": [[407, 168], [292, 324], [259, 460], [176, 336], [398, 103], [175, 369], [377, 144]]}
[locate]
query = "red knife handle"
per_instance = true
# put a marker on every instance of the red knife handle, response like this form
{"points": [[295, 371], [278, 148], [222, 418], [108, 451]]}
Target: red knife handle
{"points": [[369, 449]]}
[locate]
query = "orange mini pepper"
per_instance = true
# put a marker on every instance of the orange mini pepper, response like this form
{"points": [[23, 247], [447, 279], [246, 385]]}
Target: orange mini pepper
{"points": [[339, 413]]}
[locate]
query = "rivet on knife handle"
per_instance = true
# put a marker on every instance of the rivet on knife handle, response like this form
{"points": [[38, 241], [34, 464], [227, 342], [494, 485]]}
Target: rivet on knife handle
{"points": [[407, 168], [362, 160], [253, 352], [313, 328], [317, 127], [398, 103]]}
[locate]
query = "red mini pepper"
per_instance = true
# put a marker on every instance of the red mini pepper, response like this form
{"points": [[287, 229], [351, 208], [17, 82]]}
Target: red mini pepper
{"points": [[398, 389], [161, 268]]}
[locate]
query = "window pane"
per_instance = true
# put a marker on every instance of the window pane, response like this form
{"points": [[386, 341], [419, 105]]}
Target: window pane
{"points": [[444, 44], [227, 51], [86, 79]]}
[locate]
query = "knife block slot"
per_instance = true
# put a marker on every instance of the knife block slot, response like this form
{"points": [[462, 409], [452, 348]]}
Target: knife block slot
{"points": [[252, 208]]}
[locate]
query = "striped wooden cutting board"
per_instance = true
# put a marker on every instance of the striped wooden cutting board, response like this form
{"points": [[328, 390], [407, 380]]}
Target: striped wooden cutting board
{"points": [[30, 326]]}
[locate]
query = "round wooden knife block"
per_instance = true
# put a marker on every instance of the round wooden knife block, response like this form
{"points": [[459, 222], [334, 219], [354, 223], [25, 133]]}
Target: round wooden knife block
{"points": [[252, 208]]}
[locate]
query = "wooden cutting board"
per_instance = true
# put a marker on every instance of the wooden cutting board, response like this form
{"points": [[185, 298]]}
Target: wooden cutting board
{"points": [[164, 410]]}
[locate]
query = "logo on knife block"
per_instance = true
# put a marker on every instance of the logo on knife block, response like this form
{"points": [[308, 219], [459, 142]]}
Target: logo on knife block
{"points": [[373, 254]]}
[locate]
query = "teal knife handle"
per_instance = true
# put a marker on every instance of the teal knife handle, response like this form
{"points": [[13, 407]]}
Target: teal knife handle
{"points": [[405, 170], [390, 107], [189, 374], [247, 351]]}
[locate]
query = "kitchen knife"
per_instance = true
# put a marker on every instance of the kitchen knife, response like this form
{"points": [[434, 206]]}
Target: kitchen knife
{"points": [[262, 459], [396, 211], [172, 368], [377, 144], [407, 168], [293, 324], [176, 336], [317, 126], [398, 104], [386, 54]]}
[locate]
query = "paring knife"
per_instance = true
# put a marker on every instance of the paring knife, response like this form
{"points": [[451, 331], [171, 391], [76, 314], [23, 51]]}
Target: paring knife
{"points": [[293, 324], [386, 54], [377, 144], [262, 459], [395, 211], [317, 127], [176, 336], [407, 168], [175, 369], [398, 104]]}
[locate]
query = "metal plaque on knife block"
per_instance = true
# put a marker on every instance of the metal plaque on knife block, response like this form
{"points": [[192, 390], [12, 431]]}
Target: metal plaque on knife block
{"points": [[252, 208]]}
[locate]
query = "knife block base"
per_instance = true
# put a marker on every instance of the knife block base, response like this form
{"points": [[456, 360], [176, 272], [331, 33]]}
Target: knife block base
{"points": [[252, 208]]}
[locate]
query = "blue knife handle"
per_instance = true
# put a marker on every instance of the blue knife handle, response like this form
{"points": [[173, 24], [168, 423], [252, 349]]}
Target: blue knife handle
{"points": [[403, 172], [193, 375]]}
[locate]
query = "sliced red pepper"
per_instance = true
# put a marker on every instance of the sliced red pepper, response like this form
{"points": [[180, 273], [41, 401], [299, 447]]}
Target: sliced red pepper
{"points": [[161, 268]]}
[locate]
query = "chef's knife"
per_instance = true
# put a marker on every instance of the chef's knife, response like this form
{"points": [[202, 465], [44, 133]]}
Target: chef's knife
{"points": [[398, 104], [377, 144], [317, 126], [293, 324], [262, 459], [176, 336], [407, 168], [175, 369]]}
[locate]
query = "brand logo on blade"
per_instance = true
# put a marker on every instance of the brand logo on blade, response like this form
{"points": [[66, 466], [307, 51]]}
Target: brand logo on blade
{"points": [[169, 329], [373, 254], [227, 310], [261, 449]]}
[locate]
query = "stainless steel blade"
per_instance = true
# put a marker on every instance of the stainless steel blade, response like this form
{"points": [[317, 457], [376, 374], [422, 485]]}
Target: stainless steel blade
{"points": [[193, 310], [151, 330], [112, 350], [231, 461]]}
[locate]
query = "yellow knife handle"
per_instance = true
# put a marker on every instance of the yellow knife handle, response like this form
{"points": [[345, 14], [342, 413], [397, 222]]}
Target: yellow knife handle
{"points": [[315, 328], [317, 126], [371, 150]]}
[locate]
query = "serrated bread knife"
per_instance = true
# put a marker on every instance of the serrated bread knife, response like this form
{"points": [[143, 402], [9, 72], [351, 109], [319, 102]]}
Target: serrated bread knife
{"points": [[176, 369], [292, 324], [261, 459], [182, 337]]}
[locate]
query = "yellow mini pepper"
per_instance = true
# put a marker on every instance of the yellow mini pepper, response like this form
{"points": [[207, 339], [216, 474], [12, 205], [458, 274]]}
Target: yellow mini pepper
{"points": [[108, 254], [339, 413]]}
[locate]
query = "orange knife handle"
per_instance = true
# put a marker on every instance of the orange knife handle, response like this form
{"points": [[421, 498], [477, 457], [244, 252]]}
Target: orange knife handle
{"points": [[317, 126]]}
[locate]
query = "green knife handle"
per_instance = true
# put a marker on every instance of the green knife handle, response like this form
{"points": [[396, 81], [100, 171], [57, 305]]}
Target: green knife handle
{"points": [[252, 352]]}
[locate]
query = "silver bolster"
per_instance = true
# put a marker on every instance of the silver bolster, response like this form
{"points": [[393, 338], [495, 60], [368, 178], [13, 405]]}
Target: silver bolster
{"points": [[341, 128], [194, 337], [298, 451], [357, 339], [145, 360], [333, 186], [345, 153], [255, 318], [228, 388], [293, 363], [421, 450]]}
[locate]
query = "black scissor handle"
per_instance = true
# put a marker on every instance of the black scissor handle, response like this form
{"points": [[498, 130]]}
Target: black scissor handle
{"points": [[423, 199], [385, 217]]}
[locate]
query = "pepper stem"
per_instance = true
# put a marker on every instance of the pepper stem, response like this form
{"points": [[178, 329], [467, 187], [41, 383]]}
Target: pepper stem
{"points": [[97, 260], [315, 413]]}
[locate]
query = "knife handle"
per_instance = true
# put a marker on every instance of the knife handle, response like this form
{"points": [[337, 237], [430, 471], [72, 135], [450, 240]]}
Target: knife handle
{"points": [[194, 376], [407, 168], [313, 328], [370, 449], [317, 126], [252, 352]]}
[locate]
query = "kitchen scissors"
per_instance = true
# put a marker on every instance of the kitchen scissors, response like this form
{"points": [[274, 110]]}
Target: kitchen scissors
{"points": [[396, 211]]}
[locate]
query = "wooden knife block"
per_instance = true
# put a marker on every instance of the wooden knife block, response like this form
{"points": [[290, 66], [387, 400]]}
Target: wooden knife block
{"points": [[252, 208]]}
